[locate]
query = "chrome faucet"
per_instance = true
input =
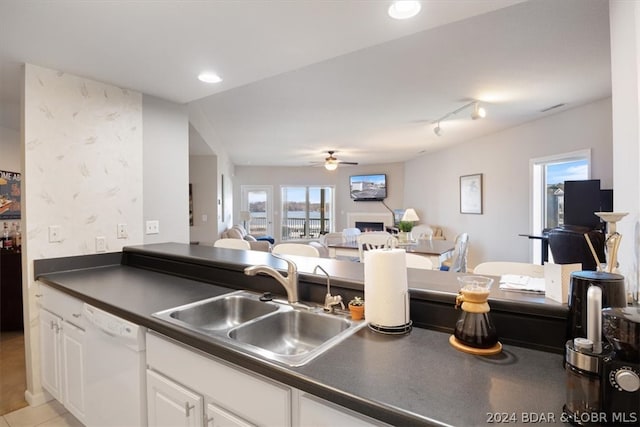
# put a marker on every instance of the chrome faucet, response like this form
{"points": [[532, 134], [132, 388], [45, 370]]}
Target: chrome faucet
{"points": [[329, 300], [290, 283]]}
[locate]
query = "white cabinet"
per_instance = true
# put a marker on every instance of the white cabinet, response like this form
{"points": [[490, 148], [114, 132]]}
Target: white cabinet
{"points": [[62, 349], [50, 325], [218, 417], [233, 396], [317, 412], [170, 404]]}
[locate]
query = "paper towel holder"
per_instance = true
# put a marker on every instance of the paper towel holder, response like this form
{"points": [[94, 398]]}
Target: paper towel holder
{"points": [[395, 330]]}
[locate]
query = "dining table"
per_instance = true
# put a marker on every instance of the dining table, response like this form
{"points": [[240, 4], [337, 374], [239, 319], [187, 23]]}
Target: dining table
{"points": [[436, 250]]}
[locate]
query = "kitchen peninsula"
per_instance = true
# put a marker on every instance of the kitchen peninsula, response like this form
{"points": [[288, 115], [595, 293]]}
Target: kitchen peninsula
{"points": [[412, 379]]}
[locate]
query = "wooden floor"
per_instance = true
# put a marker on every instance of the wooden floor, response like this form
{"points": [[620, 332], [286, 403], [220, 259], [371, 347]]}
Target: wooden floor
{"points": [[13, 381]]}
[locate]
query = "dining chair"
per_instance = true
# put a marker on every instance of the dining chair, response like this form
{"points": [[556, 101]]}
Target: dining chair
{"points": [[374, 240], [458, 261], [332, 238], [422, 232], [300, 249], [351, 234], [499, 268], [418, 261], [230, 243]]}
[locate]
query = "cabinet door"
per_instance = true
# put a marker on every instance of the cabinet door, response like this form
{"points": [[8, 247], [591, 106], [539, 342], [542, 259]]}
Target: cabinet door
{"points": [[317, 412], [73, 369], [217, 417], [50, 353], [170, 404]]}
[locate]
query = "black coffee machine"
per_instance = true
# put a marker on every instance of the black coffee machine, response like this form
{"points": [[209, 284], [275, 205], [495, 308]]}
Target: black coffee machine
{"points": [[586, 349], [613, 295], [620, 378]]}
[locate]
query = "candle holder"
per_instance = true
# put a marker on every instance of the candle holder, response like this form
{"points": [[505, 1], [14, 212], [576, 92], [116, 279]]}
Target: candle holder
{"points": [[612, 237]]}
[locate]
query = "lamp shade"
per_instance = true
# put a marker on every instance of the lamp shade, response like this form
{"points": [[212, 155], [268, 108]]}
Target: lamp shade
{"points": [[410, 215], [244, 216]]}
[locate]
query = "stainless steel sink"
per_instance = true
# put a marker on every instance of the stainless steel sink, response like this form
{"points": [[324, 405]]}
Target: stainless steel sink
{"points": [[292, 335], [218, 313]]}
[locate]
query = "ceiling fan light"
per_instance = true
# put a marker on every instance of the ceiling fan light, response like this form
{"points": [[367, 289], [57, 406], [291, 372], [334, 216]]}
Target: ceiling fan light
{"points": [[404, 9], [478, 112], [330, 165]]}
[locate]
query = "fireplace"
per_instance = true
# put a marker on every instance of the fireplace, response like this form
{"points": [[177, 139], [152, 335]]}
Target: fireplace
{"points": [[365, 226]]}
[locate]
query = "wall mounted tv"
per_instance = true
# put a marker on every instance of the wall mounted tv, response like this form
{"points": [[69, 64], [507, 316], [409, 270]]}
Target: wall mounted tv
{"points": [[371, 187]]}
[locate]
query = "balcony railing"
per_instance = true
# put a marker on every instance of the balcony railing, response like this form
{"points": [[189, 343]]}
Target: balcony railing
{"points": [[292, 228]]}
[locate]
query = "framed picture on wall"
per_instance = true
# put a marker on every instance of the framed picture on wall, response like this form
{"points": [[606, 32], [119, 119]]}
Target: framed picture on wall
{"points": [[471, 194], [10, 195]]}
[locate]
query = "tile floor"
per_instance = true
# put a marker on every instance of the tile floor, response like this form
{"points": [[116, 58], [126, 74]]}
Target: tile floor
{"points": [[50, 414]]}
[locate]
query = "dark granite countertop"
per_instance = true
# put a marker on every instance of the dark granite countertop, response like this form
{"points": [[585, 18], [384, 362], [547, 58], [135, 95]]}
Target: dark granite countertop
{"points": [[413, 379]]}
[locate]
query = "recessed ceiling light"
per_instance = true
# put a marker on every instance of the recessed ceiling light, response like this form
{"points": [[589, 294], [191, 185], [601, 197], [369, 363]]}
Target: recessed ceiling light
{"points": [[208, 77], [404, 9]]}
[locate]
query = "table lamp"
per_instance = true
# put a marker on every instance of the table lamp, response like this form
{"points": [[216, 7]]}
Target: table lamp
{"points": [[245, 216], [410, 216]]}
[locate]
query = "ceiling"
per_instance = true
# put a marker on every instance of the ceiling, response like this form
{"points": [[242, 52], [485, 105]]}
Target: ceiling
{"points": [[301, 78]]}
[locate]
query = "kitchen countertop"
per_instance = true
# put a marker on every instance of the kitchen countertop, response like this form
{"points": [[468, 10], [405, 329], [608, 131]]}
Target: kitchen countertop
{"points": [[412, 379]]}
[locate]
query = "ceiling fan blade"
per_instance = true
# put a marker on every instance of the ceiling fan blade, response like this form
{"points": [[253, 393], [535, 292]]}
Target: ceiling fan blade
{"points": [[347, 163]]}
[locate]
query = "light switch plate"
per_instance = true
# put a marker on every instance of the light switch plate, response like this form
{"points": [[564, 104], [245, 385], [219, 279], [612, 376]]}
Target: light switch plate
{"points": [[101, 244], [122, 231]]}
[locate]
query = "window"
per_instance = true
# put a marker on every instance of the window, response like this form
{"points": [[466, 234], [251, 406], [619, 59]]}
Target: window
{"points": [[548, 176], [307, 211]]}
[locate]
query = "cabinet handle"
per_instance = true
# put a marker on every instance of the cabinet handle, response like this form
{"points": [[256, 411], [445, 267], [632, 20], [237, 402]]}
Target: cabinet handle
{"points": [[188, 408], [209, 421], [38, 295], [76, 315], [52, 324]]}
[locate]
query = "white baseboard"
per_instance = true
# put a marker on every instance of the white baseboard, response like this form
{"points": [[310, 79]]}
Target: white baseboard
{"points": [[37, 399]]}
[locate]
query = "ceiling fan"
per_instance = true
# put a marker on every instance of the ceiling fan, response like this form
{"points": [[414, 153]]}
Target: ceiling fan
{"points": [[331, 162]]}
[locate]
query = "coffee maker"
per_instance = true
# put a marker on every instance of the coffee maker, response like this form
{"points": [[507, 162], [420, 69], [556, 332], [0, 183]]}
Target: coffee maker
{"points": [[620, 378], [614, 294]]}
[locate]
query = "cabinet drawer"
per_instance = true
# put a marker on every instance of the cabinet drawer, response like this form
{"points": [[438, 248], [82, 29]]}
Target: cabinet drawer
{"points": [[65, 306], [252, 397]]}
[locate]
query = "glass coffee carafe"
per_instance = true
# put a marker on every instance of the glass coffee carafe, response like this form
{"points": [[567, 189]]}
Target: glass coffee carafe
{"points": [[474, 331]]}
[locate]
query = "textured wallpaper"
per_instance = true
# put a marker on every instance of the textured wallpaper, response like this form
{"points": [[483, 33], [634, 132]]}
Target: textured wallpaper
{"points": [[83, 163]]}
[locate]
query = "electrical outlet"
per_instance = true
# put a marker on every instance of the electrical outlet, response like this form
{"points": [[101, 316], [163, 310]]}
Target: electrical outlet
{"points": [[153, 227], [101, 244], [122, 231], [54, 234]]}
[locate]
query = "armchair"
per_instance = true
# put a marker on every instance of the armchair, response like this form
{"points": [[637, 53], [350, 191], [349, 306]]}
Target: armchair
{"points": [[239, 232], [568, 245]]}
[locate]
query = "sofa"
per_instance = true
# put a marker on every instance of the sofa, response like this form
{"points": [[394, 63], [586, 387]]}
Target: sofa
{"points": [[239, 232]]}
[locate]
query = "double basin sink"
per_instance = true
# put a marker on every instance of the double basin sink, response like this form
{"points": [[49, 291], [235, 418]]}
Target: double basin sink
{"points": [[277, 331]]}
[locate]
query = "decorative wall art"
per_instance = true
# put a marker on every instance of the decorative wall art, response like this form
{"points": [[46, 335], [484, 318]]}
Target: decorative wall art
{"points": [[10, 195], [471, 194]]}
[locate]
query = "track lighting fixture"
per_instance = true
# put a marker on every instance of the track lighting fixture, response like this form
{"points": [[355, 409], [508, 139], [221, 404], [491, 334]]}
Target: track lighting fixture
{"points": [[477, 113], [437, 130]]}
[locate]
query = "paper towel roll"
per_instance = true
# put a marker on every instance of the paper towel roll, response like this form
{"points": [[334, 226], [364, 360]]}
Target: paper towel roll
{"points": [[386, 292]]}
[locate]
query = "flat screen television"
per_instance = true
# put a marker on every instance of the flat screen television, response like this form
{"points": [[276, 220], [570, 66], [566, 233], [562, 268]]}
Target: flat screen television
{"points": [[372, 187]]}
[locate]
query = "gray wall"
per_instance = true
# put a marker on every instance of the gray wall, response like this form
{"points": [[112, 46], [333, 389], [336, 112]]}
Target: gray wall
{"points": [[432, 181], [203, 178], [166, 169]]}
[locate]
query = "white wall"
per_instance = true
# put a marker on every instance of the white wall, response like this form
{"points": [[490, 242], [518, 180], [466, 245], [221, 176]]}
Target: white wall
{"points": [[277, 177], [82, 169], [224, 167], [432, 181], [625, 72], [166, 169]]}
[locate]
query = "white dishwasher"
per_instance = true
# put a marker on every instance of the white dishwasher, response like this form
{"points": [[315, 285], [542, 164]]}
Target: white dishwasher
{"points": [[115, 370]]}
